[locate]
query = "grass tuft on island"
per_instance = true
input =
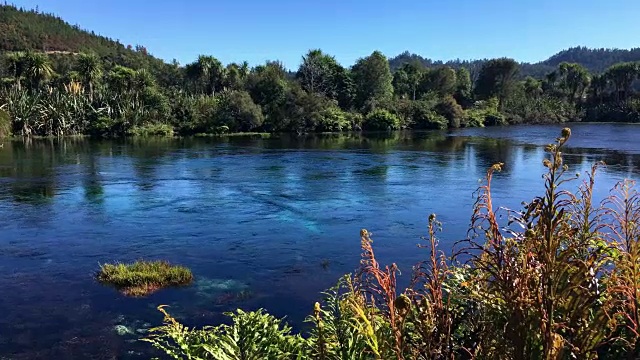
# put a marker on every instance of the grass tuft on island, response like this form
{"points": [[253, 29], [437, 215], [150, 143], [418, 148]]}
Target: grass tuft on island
{"points": [[142, 278]]}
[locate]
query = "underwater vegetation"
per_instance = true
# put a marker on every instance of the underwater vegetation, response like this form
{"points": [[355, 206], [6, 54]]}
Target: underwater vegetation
{"points": [[142, 278], [557, 279]]}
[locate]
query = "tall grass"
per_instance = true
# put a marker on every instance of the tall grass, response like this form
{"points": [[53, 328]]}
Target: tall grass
{"points": [[142, 278], [559, 279]]}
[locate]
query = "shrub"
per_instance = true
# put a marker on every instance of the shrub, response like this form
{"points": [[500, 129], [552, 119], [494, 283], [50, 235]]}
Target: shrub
{"points": [[381, 120], [205, 111], [426, 118], [238, 112], [449, 108], [355, 120], [251, 335], [101, 126], [484, 113], [5, 124], [332, 119], [627, 111], [142, 278], [164, 130], [156, 103]]}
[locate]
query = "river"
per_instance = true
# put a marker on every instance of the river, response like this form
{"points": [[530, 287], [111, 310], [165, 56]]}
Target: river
{"points": [[262, 223]]}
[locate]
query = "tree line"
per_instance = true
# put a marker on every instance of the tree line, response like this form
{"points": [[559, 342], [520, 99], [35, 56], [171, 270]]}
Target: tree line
{"points": [[68, 94]]}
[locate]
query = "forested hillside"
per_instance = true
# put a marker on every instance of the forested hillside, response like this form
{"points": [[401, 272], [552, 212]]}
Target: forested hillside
{"points": [[22, 30], [594, 60], [56, 79]]}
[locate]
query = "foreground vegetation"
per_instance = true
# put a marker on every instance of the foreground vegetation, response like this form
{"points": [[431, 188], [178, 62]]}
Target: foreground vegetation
{"points": [[142, 278], [559, 280], [103, 89]]}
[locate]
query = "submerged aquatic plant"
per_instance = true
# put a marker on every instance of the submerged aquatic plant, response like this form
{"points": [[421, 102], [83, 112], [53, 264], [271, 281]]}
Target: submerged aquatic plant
{"points": [[142, 278]]}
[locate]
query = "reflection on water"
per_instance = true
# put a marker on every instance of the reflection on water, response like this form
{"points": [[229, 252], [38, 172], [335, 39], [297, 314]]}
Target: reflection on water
{"points": [[262, 222]]}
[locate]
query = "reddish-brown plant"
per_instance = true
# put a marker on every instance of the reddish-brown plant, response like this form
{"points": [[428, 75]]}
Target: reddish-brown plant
{"points": [[381, 284]]}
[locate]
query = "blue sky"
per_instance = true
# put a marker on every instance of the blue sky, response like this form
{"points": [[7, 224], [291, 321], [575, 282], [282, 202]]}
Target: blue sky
{"points": [[259, 30]]}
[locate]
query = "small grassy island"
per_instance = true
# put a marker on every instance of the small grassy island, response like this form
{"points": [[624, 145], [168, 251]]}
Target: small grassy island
{"points": [[142, 278]]}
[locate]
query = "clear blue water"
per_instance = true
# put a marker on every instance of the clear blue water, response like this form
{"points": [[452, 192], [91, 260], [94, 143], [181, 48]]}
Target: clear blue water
{"points": [[263, 223]]}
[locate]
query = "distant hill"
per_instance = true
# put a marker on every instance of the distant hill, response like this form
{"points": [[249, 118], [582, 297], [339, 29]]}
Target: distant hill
{"points": [[22, 30], [596, 60]]}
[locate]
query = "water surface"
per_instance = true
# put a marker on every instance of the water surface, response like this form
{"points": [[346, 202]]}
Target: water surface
{"points": [[263, 223]]}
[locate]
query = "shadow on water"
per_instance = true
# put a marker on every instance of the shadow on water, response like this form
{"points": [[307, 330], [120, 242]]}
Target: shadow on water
{"points": [[262, 222]]}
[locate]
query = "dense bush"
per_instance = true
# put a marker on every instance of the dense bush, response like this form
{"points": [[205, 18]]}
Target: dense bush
{"points": [[5, 124], [449, 108], [332, 119], [238, 112], [628, 111], [381, 120], [484, 113], [355, 120], [426, 118], [162, 130]]}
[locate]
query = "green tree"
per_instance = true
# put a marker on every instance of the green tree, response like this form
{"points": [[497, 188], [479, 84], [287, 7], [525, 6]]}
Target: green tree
{"points": [[141, 80], [37, 69], [574, 79], [496, 78], [599, 84], [401, 86], [235, 76], [407, 78], [381, 120], [345, 88], [424, 116], [90, 70], [206, 74], [16, 64], [622, 76], [121, 79], [238, 112], [451, 110], [441, 80], [317, 73], [463, 86], [532, 87], [373, 80], [269, 88]]}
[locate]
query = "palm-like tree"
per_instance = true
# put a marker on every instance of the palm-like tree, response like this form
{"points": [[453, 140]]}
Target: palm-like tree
{"points": [[142, 79], [121, 79], [90, 71], [192, 74], [37, 69], [206, 70], [599, 84], [16, 65], [235, 75], [622, 76]]}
